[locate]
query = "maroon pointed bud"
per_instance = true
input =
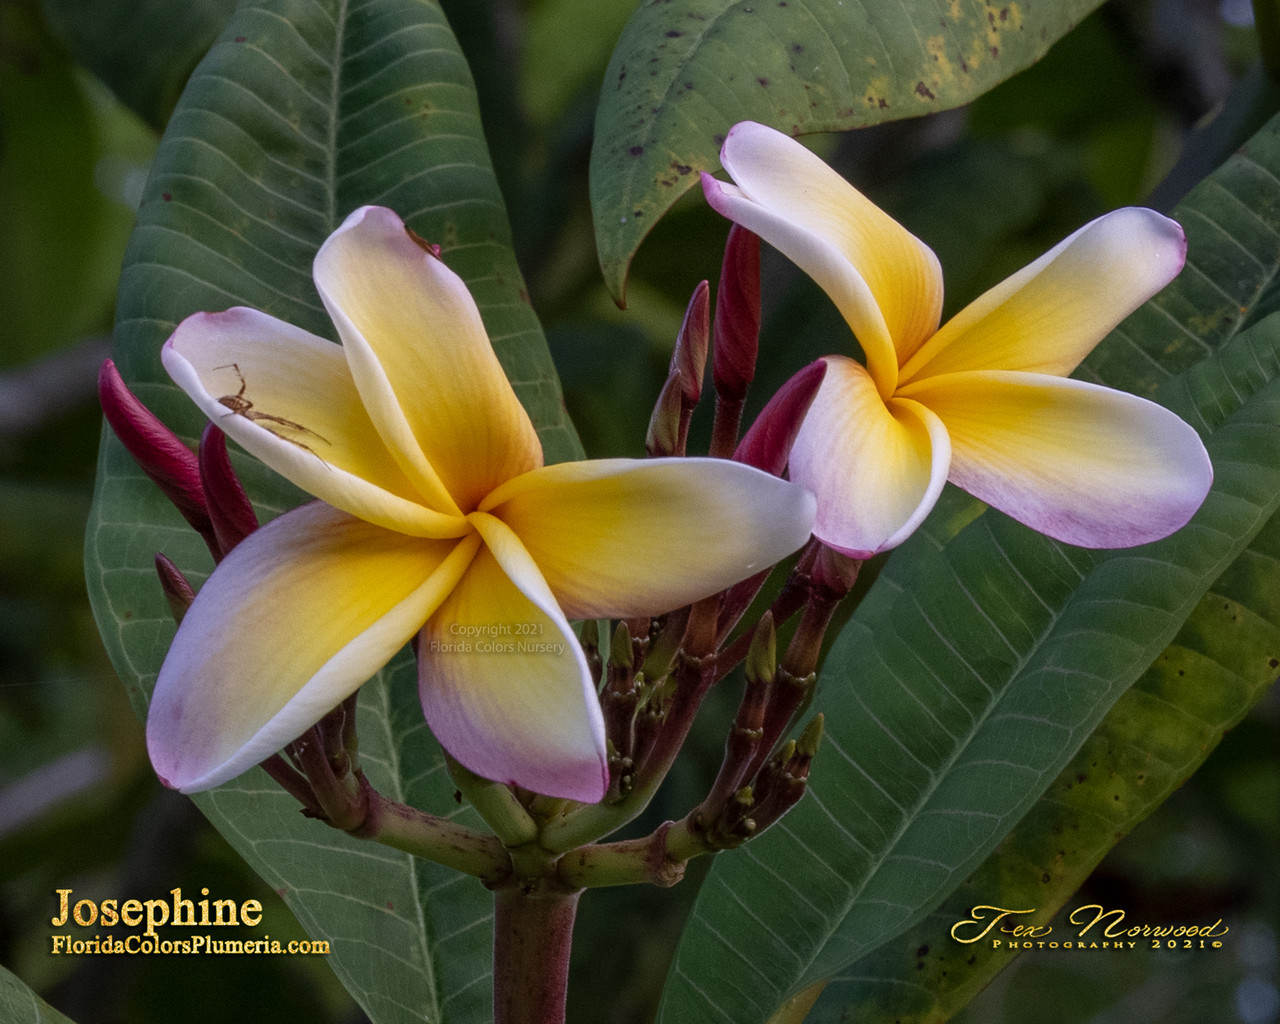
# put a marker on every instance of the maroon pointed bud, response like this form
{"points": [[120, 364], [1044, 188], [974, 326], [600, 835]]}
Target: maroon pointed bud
{"points": [[737, 323], [230, 511], [169, 463], [767, 445], [665, 436], [690, 354], [835, 572], [178, 592]]}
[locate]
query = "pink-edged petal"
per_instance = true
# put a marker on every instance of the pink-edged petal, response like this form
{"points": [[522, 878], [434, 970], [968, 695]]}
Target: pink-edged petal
{"points": [[877, 469], [1050, 315], [286, 397], [422, 359], [1081, 463], [621, 537], [290, 624], [504, 684], [885, 281]]}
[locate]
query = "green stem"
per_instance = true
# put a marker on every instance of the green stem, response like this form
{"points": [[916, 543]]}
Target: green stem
{"points": [[432, 838], [657, 859], [497, 804], [533, 933]]}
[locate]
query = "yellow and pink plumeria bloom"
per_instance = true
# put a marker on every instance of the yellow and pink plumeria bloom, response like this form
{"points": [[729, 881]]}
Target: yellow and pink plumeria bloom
{"points": [[436, 518], [983, 400]]}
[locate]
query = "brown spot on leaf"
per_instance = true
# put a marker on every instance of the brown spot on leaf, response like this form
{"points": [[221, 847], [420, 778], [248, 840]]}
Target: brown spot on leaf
{"points": [[635, 150], [924, 91]]}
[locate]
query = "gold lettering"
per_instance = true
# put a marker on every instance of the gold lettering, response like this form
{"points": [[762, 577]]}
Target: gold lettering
{"points": [[89, 915], [179, 905], [976, 918], [250, 913], [219, 906], [63, 909], [1097, 917], [131, 913], [157, 914]]}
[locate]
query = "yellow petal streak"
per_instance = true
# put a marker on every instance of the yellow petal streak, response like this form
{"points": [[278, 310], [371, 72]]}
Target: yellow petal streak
{"points": [[1047, 317], [297, 617], [877, 469], [1082, 463], [618, 538], [421, 357], [287, 397], [504, 684], [901, 272]]}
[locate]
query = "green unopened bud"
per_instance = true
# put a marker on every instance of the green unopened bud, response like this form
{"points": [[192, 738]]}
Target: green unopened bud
{"points": [[663, 438], [811, 738], [620, 648], [762, 656]]}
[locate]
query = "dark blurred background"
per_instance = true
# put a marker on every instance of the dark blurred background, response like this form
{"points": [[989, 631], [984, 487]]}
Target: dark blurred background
{"points": [[1138, 103]]}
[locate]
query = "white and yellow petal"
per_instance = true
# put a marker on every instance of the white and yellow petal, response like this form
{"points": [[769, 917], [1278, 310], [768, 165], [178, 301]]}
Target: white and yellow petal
{"points": [[621, 537], [877, 469], [286, 397], [1048, 316], [291, 623], [1083, 464], [504, 684], [422, 360], [885, 281]]}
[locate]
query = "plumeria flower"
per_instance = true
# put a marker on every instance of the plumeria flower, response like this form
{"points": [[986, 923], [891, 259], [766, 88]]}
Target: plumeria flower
{"points": [[983, 400], [436, 518]]}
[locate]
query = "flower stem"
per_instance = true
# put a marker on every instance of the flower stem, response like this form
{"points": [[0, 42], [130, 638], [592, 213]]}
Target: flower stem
{"points": [[533, 931]]}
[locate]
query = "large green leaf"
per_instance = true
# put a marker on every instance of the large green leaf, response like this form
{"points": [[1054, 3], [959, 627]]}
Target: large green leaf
{"points": [[19, 1005], [1221, 662], [301, 112], [685, 71], [979, 665]]}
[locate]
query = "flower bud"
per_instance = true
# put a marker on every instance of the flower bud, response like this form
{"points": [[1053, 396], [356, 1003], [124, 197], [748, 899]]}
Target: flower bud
{"points": [[737, 322], [767, 444], [156, 449], [664, 436], [230, 511], [690, 354]]}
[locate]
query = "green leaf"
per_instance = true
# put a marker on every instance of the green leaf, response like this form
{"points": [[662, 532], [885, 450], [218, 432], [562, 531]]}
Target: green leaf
{"points": [[981, 663], [1223, 660], [19, 1005], [685, 71], [301, 112]]}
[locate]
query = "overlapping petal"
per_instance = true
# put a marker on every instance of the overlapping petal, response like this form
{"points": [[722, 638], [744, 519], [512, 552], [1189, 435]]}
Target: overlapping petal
{"points": [[876, 469], [885, 281], [618, 538], [1048, 316], [422, 360], [1081, 463], [292, 622], [504, 684], [287, 397]]}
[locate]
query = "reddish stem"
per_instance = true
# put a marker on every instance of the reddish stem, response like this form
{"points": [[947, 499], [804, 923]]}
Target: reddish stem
{"points": [[533, 932]]}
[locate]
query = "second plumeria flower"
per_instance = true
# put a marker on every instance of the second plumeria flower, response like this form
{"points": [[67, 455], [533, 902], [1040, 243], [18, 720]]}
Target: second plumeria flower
{"points": [[983, 400], [437, 519]]}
